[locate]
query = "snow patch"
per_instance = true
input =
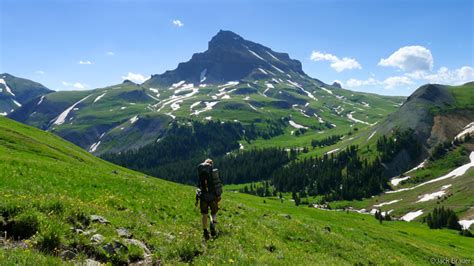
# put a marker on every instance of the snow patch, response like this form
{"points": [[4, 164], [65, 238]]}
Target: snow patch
{"points": [[351, 117], [209, 106], [277, 69], [371, 135], [229, 84], [194, 105], [319, 118], [2, 81], [176, 85], [461, 170], [253, 107], [396, 180], [310, 95], [41, 100], [411, 215], [134, 119], [4, 113], [94, 146], [175, 105], [263, 71], [16, 103], [295, 125], [387, 203], [332, 151], [99, 97], [467, 130], [270, 54], [434, 195], [62, 117], [255, 54], [421, 165], [203, 77], [326, 90], [466, 224]]}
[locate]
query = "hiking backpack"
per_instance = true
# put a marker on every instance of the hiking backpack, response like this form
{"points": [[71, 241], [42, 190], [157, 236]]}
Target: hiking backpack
{"points": [[209, 180]]}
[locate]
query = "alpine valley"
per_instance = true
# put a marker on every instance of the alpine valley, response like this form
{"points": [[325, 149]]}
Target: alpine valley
{"points": [[292, 150]]}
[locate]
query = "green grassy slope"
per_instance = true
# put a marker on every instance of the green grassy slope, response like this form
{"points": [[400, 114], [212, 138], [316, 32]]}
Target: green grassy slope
{"points": [[60, 186]]}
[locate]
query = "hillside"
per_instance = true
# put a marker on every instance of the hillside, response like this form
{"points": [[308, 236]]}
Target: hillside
{"points": [[234, 80], [14, 92], [52, 187]]}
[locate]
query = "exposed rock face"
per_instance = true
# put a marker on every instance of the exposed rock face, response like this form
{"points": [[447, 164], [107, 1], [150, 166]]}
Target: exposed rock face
{"points": [[229, 57]]}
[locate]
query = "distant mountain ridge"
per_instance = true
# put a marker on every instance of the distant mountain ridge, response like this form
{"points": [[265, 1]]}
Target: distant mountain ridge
{"points": [[235, 80], [14, 92]]}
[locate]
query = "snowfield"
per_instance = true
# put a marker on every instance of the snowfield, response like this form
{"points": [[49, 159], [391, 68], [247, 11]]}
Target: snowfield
{"points": [[461, 170], [295, 125], [387, 203], [326, 90], [134, 119], [94, 146], [41, 100], [467, 130], [263, 71], [209, 106], [175, 105], [310, 95], [256, 55], [99, 97], [434, 195], [411, 215], [349, 115], [62, 117], [421, 165], [274, 57], [396, 180], [2, 81], [371, 135], [16, 103], [332, 151], [194, 105], [466, 224]]}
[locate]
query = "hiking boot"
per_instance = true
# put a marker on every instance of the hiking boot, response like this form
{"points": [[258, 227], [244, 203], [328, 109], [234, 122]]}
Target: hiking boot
{"points": [[213, 229], [206, 234]]}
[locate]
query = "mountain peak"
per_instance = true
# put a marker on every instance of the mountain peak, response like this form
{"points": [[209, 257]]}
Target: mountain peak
{"points": [[230, 57], [225, 37]]}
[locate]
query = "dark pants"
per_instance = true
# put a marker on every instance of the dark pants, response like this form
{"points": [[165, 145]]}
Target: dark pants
{"points": [[210, 203]]}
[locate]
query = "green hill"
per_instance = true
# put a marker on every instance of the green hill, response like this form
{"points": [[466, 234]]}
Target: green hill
{"points": [[50, 188]]}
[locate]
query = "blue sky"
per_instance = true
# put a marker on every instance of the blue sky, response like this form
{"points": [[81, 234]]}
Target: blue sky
{"points": [[386, 47]]}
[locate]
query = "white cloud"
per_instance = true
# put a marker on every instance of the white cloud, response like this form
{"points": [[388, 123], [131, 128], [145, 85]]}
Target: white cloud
{"points": [[358, 82], [75, 85], [137, 78], [84, 62], [397, 81], [39, 72], [178, 23], [388, 83], [410, 59], [446, 76], [336, 63], [110, 53]]}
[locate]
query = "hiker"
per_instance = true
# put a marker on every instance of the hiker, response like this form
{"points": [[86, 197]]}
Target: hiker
{"points": [[209, 193]]}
